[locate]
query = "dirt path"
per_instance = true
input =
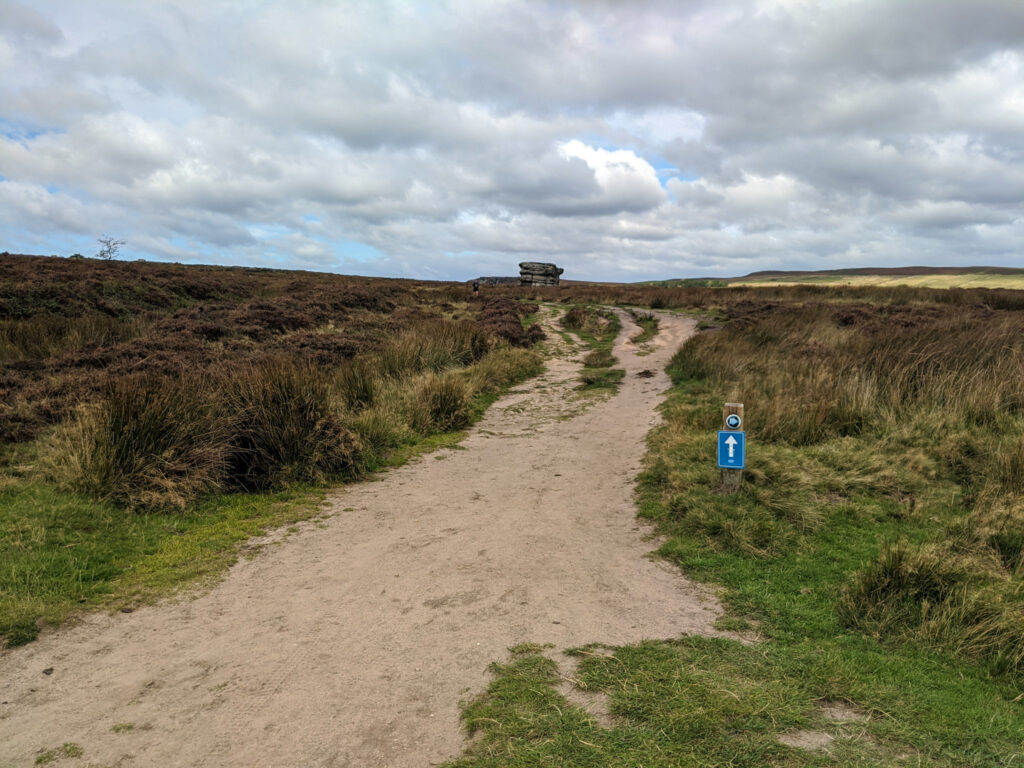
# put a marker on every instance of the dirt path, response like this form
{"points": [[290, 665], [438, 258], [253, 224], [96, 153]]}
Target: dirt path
{"points": [[352, 645]]}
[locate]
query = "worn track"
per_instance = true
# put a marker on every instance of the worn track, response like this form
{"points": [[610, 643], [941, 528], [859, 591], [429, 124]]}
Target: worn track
{"points": [[353, 644]]}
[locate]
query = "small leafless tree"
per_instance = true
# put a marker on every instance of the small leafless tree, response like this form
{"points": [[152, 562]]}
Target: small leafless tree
{"points": [[111, 247]]}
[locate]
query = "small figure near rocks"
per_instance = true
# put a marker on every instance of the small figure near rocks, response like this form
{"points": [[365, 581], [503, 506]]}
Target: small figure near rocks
{"points": [[476, 287]]}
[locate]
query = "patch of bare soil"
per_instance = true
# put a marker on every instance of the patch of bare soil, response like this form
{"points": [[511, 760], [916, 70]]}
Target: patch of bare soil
{"points": [[842, 711], [811, 740], [353, 645]]}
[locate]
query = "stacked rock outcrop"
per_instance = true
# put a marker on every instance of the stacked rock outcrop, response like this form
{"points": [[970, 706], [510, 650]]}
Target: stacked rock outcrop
{"points": [[536, 273]]}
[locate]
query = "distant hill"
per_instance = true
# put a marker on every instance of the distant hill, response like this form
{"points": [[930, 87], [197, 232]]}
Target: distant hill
{"points": [[924, 277]]}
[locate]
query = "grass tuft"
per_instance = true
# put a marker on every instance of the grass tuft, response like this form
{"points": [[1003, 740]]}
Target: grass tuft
{"points": [[441, 403], [149, 443], [285, 428]]}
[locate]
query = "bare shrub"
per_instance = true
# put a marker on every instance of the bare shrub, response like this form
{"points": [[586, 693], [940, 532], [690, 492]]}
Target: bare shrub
{"points": [[109, 247]]}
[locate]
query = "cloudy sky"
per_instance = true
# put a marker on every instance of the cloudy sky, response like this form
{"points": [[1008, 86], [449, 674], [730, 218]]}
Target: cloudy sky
{"points": [[622, 140]]}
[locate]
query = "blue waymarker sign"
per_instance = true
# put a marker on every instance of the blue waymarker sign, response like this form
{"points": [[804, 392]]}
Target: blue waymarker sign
{"points": [[732, 449]]}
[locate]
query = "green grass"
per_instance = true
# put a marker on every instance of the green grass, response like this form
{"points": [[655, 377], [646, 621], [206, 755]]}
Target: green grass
{"points": [[787, 550], [595, 379], [63, 553], [65, 750], [692, 702]]}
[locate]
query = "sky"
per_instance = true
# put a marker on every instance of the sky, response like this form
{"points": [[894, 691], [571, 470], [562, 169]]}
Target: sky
{"points": [[446, 140]]}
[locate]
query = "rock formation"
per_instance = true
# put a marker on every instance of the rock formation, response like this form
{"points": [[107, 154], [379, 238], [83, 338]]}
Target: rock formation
{"points": [[536, 273]]}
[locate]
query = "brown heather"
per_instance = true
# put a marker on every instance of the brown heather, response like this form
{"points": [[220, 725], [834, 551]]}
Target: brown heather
{"points": [[167, 383], [69, 327]]}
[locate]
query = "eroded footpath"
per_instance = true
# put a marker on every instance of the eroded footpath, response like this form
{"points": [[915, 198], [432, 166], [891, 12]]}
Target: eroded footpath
{"points": [[354, 644]]}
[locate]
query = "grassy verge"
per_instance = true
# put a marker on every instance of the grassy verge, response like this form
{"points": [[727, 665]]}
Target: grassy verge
{"points": [[64, 553], [874, 548], [695, 702], [789, 550], [598, 329], [64, 550]]}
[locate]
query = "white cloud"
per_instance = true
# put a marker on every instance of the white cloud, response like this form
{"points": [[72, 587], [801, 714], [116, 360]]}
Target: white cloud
{"points": [[627, 182]]}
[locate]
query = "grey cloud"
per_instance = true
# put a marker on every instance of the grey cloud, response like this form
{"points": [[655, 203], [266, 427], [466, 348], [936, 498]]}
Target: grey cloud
{"points": [[805, 134], [20, 23]]}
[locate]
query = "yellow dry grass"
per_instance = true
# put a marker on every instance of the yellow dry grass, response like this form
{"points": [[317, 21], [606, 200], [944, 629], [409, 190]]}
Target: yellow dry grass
{"points": [[969, 280]]}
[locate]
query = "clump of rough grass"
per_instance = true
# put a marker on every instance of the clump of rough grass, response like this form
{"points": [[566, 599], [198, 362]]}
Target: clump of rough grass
{"points": [[432, 346], [440, 403], [40, 337], [155, 443], [599, 358], [381, 429], [648, 323], [937, 393], [358, 382], [950, 596], [148, 443], [502, 367], [285, 428], [582, 319], [813, 373], [601, 378]]}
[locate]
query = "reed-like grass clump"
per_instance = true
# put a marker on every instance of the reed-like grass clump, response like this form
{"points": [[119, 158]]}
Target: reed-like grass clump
{"points": [[956, 600], [599, 358], [440, 403], [148, 443], [43, 337], [285, 426], [432, 346]]}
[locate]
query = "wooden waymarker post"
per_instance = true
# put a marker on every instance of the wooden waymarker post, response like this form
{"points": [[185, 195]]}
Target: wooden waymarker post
{"points": [[732, 422]]}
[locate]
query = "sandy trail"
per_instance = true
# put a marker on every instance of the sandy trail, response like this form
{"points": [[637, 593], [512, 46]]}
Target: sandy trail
{"points": [[353, 645]]}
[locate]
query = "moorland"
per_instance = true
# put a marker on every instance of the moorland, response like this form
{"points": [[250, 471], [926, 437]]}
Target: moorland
{"points": [[875, 548]]}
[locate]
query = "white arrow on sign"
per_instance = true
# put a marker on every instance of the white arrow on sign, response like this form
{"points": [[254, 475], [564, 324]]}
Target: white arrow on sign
{"points": [[731, 442]]}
